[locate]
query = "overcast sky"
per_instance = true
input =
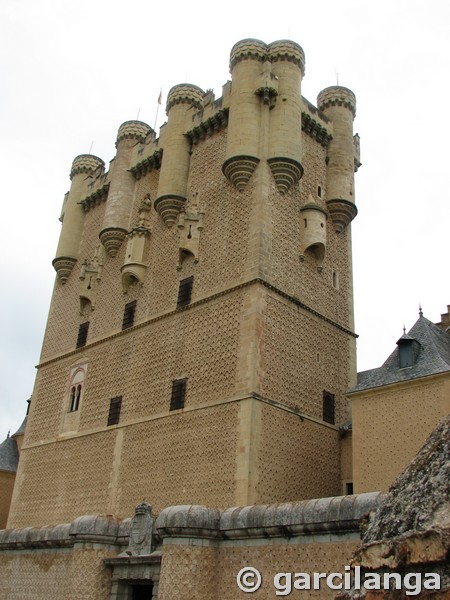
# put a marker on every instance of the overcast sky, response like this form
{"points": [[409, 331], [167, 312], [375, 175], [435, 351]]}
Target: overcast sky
{"points": [[73, 71]]}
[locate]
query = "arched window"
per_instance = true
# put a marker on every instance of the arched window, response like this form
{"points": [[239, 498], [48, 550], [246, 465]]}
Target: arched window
{"points": [[76, 385]]}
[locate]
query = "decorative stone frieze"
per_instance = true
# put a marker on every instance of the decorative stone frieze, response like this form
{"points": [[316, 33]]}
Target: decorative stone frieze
{"points": [[286, 172], [95, 198], [342, 213], [63, 266], [209, 127], [239, 169], [148, 164], [315, 130], [112, 239], [168, 207]]}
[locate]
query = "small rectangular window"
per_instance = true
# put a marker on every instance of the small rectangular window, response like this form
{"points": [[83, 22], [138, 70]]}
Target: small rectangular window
{"points": [[328, 407], [185, 292], [349, 488], [115, 405], [82, 334], [178, 394], [128, 314]]}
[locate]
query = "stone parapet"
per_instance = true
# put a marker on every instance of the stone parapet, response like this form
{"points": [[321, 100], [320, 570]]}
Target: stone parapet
{"points": [[85, 163], [287, 50], [248, 48], [137, 130], [337, 96], [340, 514], [95, 528], [185, 93]]}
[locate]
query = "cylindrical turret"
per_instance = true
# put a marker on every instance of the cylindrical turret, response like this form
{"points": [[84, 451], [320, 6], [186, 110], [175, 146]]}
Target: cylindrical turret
{"points": [[172, 188], [285, 150], [73, 217], [246, 59], [314, 231], [339, 105], [121, 189]]}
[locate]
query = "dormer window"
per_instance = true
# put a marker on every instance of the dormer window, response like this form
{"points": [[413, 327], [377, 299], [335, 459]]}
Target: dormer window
{"points": [[408, 351]]}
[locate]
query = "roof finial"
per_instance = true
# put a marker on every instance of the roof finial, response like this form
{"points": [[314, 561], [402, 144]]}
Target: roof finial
{"points": [[404, 329], [420, 310], [9, 431]]}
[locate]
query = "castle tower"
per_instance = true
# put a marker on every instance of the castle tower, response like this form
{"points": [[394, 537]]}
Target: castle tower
{"points": [[288, 65], [174, 173], [339, 105], [207, 362], [120, 196], [246, 60], [83, 169]]}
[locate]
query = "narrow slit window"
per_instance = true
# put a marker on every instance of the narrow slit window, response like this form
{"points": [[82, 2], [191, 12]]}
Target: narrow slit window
{"points": [[335, 279], [185, 292], [328, 407], [178, 394], [82, 334], [128, 315], [72, 399], [115, 405]]}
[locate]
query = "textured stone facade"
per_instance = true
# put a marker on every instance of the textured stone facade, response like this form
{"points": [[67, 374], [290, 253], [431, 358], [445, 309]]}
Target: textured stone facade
{"points": [[377, 414], [267, 330], [6, 490]]}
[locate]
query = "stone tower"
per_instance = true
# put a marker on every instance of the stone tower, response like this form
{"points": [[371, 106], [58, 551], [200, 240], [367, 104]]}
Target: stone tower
{"points": [[200, 336]]}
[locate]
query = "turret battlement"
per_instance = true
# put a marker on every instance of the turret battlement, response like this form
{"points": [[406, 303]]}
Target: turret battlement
{"points": [[133, 130], [258, 50], [184, 93], [337, 95], [85, 163]]}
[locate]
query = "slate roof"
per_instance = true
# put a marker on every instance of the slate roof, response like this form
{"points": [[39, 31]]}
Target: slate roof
{"points": [[9, 455], [433, 357], [21, 429]]}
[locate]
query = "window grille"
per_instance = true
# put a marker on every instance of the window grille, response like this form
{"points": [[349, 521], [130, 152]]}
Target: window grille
{"points": [[82, 334], [185, 292], [128, 314], [114, 410], [328, 407], [178, 394]]}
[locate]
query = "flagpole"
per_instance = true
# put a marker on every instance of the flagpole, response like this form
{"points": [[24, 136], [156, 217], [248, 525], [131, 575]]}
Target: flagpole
{"points": [[157, 108]]}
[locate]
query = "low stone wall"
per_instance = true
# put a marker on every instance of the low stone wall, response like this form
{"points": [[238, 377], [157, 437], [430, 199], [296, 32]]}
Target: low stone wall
{"points": [[204, 549], [188, 551], [65, 561]]}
